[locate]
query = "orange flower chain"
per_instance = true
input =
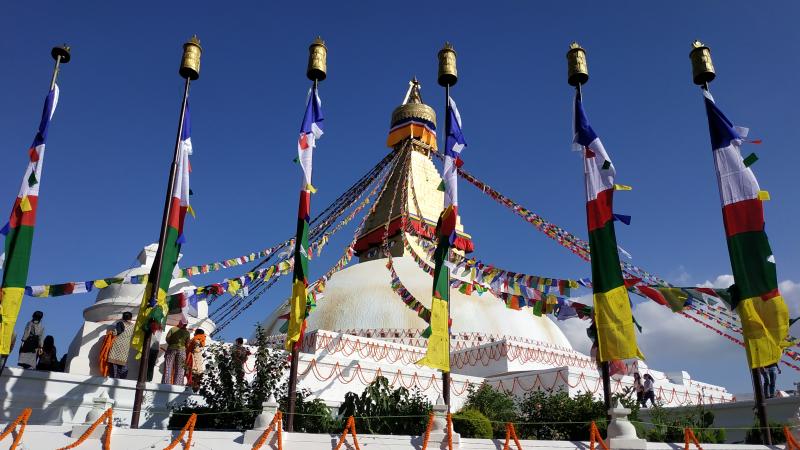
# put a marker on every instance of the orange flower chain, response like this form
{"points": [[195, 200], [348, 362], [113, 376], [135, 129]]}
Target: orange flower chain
{"points": [[427, 433], [277, 422], [189, 426], [594, 436], [511, 433], [22, 420], [108, 418], [689, 438], [351, 427]]}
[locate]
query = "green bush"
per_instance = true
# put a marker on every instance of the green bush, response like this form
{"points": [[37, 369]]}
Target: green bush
{"points": [[776, 431], [230, 402], [383, 410], [669, 426], [471, 423], [311, 416], [496, 405], [556, 416]]}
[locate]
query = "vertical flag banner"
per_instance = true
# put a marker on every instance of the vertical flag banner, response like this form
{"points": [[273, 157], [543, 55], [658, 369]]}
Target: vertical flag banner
{"points": [[612, 307], [153, 313], [310, 131], [755, 295], [19, 229], [437, 355]]}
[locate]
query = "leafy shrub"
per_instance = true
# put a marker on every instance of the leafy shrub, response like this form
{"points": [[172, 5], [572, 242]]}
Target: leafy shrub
{"points": [[383, 410], [547, 415], [496, 405], [753, 435], [471, 423], [311, 416], [669, 426], [230, 402]]}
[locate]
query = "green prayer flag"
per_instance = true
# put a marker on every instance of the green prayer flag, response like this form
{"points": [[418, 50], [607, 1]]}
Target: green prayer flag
{"points": [[750, 160]]}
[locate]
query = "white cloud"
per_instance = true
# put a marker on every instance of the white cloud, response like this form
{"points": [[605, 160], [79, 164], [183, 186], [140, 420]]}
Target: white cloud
{"points": [[722, 282], [671, 342]]}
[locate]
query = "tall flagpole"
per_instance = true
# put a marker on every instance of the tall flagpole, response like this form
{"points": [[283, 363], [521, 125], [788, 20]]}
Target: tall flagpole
{"points": [[18, 255], [703, 73], [578, 75], [316, 71], [448, 76], [189, 70]]}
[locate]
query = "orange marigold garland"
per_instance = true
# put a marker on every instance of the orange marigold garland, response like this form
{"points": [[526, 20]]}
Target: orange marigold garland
{"points": [[594, 436], [189, 426], [277, 422], [427, 433], [21, 420], [351, 427], [108, 418]]}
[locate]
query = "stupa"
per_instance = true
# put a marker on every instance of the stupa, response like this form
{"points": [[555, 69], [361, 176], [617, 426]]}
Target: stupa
{"points": [[362, 328]]}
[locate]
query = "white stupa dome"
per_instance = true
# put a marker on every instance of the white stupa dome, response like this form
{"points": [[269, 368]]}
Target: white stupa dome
{"points": [[360, 298]]}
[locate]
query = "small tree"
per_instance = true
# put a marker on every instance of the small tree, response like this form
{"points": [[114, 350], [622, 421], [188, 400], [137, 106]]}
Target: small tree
{"points": [[230, 402], [383, 410], [498, 406]]}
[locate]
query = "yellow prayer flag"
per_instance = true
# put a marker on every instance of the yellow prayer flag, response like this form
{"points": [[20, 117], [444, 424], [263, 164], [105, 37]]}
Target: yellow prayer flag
{"points": [[10, 302], [763, 195], [438, 354], [616, 338], [297, 313], [765, 327], [190, 210], [25, 204], [100, 284], [311, 188], [622, 187]]}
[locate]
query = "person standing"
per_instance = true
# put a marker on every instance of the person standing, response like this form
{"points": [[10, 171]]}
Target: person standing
{"points": [[48, 357], [121, 346], [649, 391], [770, 375], [195, 361], [31, 341], [638, 387], [239, 354], [175, 356]]}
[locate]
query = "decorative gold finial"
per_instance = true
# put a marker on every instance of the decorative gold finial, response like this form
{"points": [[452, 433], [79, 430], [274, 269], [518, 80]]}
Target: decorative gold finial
{"points": [[62, 51], [577, 70], [448, 73], [190, 64], [317, 60], [702, 67]]}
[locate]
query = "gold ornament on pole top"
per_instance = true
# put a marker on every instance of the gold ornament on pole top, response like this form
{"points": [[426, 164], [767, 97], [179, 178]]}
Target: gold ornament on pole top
{"points": [[317, 60], [577, 69], [702, 67], [448, 73], [190, 64], [63, 52]]}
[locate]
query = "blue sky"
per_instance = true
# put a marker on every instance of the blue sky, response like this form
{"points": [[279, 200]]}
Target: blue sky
{"points": [[111, 139]]}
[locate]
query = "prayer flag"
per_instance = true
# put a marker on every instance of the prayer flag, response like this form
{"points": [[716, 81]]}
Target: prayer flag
{"points": [[19, 231], [153, 309], [438, 352], [761, 308], [310, 131], [612, 309]]}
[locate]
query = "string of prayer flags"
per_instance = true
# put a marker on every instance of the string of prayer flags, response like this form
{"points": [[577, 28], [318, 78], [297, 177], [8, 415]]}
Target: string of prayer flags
{"points": [[19, 230], [616, 337], [754, 295]]}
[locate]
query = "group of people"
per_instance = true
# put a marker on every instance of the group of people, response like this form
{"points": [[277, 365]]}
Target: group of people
{"points": [[184, 357], [184, 363], [645, 390], [37, 350]]}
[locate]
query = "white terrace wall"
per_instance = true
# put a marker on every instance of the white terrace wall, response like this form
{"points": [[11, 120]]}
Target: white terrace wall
{"points": [[40, 437]]}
